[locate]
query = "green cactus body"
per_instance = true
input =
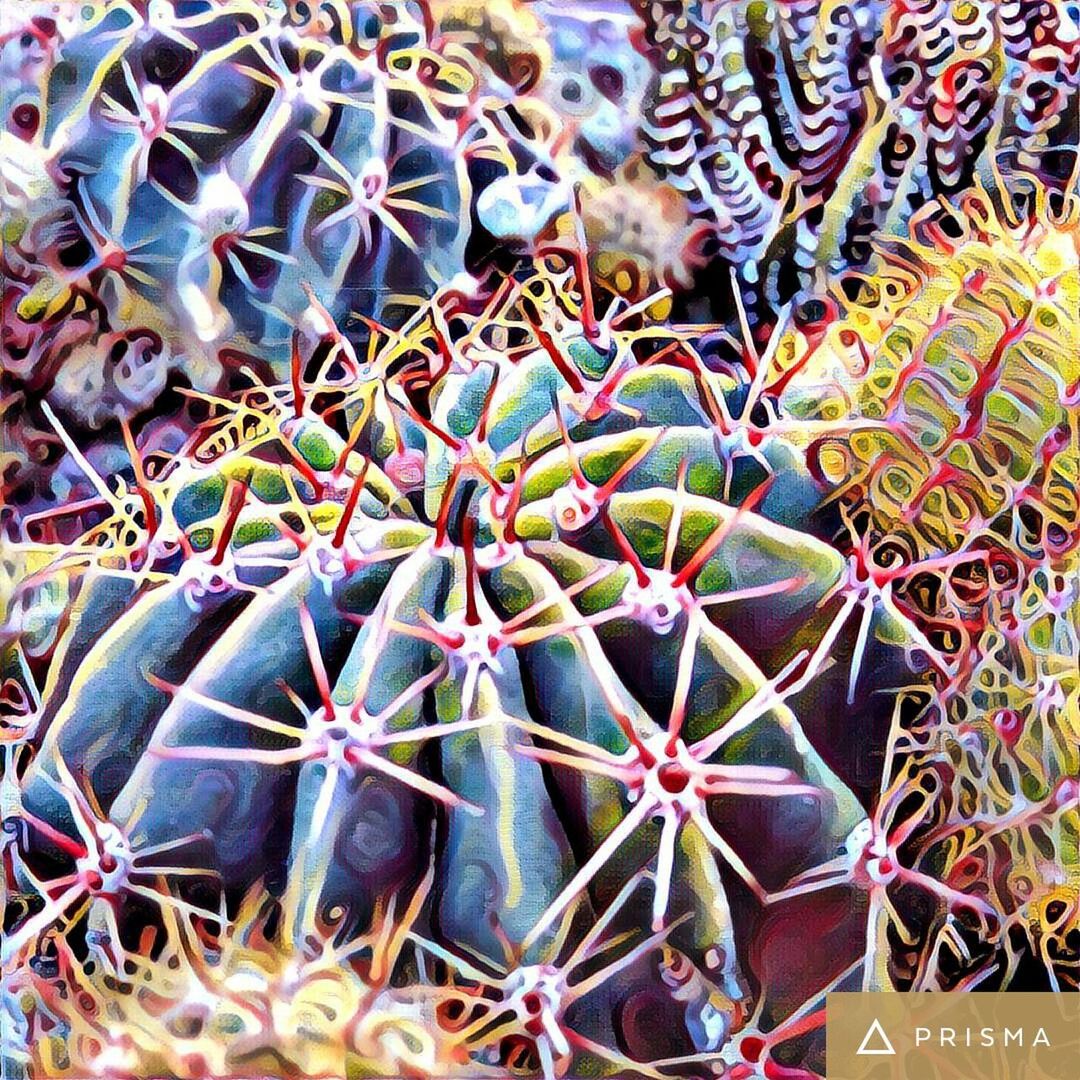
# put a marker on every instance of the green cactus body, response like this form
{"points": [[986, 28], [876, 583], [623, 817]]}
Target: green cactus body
{"points": [[354, 691]]}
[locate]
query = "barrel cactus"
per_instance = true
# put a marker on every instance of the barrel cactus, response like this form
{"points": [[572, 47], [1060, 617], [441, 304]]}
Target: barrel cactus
{"points": [[180, 175], [965, 343], [954, 372], [435, 657], [200, 158], [184, 173]]}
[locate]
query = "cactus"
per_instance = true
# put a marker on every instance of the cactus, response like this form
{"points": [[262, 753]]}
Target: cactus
{"points": [[956, 470], [443, 628], [180, 176], [966, 347], [797, 131]]}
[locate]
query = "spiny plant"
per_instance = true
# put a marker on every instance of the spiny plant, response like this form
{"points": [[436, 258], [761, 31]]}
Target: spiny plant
{"points": [[179, 175], [192, 1007], [476, 616], [164, 135], [799, 130], [967, 343], [959, 480], [490, 689], [176, 176]]}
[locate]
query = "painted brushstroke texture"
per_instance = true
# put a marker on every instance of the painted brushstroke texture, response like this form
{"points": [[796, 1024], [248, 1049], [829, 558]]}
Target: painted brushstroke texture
{"points": [[539, 538]]}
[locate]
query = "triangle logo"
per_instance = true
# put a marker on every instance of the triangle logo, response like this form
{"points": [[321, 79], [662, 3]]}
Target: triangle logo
{"points": [[875, 1042]]}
